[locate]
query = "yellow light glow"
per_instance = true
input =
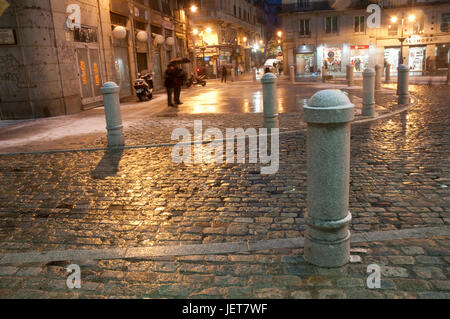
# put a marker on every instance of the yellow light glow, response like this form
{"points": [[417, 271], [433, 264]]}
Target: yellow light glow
{"points": [[279, 33], [244, 39], [194, 8], [208, 30], [195, 31], [394, 19], [279, 41], [411, 17], [261, 42]]}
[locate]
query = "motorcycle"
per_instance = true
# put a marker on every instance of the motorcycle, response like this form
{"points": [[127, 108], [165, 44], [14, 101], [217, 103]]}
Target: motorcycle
{"points": [[196, 80], [144, 86]]}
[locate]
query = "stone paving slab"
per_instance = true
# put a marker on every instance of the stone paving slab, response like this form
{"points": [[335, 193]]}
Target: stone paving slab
{"points": [[413, 268]]}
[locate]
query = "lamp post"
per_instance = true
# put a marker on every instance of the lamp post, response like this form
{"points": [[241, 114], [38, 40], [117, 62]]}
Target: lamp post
{"points": [[394, 19]]}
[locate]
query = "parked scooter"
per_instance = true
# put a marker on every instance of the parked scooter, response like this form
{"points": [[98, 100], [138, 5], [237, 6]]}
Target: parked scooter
{"points": [[196, 80], [144, 86]]}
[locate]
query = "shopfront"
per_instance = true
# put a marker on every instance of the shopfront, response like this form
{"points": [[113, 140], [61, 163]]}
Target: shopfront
{"points": [[359, 57], [331, 58], [416, 59], [442, 56], [305, 60], [391, 56]]}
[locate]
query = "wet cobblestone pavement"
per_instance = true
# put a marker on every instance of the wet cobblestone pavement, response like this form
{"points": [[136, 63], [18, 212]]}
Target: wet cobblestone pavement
{"points": [[139, 197]]}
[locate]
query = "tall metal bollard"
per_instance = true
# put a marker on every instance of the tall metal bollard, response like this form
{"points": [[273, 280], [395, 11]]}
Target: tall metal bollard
{"points": [[402, 85], [349, 73], [368, 108], [328, 115], [254, 74], [292, 74], [378, 71], [113, 116], [387, 78], [269, 83], [233, 75]]}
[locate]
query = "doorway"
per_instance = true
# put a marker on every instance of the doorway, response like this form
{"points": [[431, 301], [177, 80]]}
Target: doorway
{"points": [[88, 58]]}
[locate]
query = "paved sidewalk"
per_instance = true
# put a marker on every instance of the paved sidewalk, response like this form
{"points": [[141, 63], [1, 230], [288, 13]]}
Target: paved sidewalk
{"points": [[140, 198]]}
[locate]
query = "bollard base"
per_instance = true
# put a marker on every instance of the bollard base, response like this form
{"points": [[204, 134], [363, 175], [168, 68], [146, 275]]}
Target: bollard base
{"points": [[329, 254], [403, 99], [116, 136], [369, 110]]}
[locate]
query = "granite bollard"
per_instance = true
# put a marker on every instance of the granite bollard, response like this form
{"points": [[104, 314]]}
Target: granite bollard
{"points": [[110, 91], [350, 75], [269, 83], [292, 74], [402, 85], [368, 108], [378, 74], [387, 77], [328, 115]]}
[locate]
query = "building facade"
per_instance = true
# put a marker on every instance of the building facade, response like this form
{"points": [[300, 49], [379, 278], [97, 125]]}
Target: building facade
{"points": [[55, 55], [229, 33], [336, 33]]}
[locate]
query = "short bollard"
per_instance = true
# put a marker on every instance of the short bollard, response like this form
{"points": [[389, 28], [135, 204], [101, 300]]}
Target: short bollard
{"points": [[113, 116], [328, 115], [292, 74], [387, 77], [269, 83], [378, 73], [368, 108], [448, 73], [402, 85], [254, 74], [349, 74], [233, 75]]}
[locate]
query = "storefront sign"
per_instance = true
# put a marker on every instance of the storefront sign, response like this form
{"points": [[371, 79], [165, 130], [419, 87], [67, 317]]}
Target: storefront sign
{"points": [[419, 40], [359, 47], [7, 36]]}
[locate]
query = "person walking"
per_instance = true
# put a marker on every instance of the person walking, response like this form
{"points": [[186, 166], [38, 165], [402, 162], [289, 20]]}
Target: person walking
{"points": [[224, 74], [174, 78]]}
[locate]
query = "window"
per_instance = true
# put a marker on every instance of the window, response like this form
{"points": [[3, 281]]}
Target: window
{"points": [[418, 26], [304, 27], [240, 13], [303, 3], [358, 24], [445, 22], [331, 24], [234, 10]]}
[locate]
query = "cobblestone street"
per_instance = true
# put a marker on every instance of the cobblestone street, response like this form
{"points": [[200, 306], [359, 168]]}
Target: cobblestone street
{"points": [[138, 197]]}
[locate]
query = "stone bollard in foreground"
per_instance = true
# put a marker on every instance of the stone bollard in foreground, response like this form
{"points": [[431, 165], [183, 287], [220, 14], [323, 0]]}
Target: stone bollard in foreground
{"points": [[350, 75], [368, 108], [402, 84], [254, 74], [113, 116], [269, 83], [387, 78], [328, 115], [378, 74], [233, 75], [292, 74]]}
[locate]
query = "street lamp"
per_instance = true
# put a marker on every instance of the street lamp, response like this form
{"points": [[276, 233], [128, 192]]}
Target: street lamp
{"points": [[394, 19], [279, 34], [193, 8]]}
